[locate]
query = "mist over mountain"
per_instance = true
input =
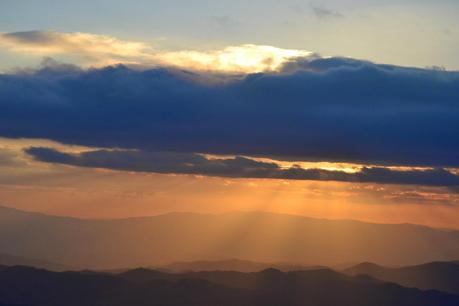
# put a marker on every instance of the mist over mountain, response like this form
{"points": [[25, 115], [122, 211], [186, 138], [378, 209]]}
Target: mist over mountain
{"points": [[442, 276], [261, 237], [10, 260], [232, 265], [33, 287]]}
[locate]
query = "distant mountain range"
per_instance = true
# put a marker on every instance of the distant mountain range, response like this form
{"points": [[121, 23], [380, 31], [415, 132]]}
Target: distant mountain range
{"points": [[442, 276], [10, 260], [178, 237], [232, 265], [23, 286]]}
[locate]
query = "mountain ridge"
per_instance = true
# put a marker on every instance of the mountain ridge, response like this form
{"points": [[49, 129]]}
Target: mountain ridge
{"points": [[232, 264], [442, 276], [260, 237], [189, 213], [145, 287], [11, 260]]}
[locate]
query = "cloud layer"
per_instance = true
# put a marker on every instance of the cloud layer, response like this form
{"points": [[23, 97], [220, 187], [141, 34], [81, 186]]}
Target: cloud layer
{"points": [[237, 167], [91, 48], [101, 50], [334, 109]]}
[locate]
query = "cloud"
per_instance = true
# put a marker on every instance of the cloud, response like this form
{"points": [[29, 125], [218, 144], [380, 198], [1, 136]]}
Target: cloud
{"points": [[323, 12], [421, 197], [96, 49], [235, 59], [318, 10], [101, 50], [9, 159], [238, 167], [335, 109]]}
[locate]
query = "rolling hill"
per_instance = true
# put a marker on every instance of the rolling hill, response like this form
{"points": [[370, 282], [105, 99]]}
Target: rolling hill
{"points": [[28, 286], [258, 236], [442, 276], [10, 260], [231, 265]]}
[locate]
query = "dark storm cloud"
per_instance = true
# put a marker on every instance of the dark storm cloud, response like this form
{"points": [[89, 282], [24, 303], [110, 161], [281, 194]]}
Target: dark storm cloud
{"points": [[317, 110], [238, 167]]}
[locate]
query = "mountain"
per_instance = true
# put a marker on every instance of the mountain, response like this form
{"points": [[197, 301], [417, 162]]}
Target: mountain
{"points": [[141, 287], [442, 276], [231, 265], [258, 236], [252, 280], [10, 260]]}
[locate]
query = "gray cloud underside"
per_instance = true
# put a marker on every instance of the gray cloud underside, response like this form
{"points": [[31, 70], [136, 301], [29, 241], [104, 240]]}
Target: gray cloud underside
{"points": [[32, 37], [238, 167], [335, 109]]}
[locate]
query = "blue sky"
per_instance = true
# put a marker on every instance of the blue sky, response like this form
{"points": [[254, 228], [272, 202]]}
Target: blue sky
{"points": [[409, 33]]}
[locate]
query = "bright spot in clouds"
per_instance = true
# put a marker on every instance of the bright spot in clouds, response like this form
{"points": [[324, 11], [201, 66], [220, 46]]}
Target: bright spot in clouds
{"points": [[245, 58], [100, 50]]}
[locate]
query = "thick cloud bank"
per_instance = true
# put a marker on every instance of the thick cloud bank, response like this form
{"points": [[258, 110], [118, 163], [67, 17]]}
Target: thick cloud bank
{"points": [[238, 167], [318, 110]]}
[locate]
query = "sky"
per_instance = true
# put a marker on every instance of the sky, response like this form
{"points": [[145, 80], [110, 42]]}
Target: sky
{"points": [[331, 109], [409, 33]]}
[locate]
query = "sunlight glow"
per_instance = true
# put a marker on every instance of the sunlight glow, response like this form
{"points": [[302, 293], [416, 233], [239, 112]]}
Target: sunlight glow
{"points": [[234, 59], [91, 50], [91, 47]]}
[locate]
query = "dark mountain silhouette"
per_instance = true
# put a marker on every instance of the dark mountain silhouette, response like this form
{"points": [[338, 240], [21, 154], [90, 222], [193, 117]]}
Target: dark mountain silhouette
{"points": [[142, 287], [258, 236], [10, 260], [252, 280], [231, 265], [442, 276]]}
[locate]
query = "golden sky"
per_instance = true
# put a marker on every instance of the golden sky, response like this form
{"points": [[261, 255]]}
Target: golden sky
{"points": [[99, 193]]}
